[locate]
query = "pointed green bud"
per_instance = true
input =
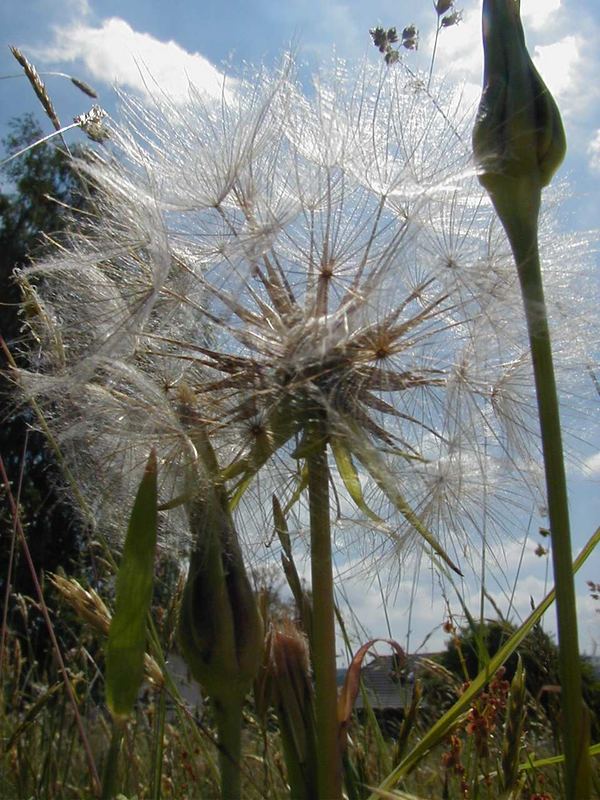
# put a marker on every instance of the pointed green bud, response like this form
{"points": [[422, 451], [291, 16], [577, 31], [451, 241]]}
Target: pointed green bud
{"points": [[220, 629], [518, 132]]}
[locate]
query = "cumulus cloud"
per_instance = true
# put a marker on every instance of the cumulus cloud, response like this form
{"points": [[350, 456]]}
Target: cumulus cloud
{"points": [[459, 48], [114, 52], [560, 65], [591, 465], [538, 14]]}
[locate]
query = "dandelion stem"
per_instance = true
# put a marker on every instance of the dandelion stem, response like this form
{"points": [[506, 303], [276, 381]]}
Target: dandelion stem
{"points": [[323, 625], [519, 211]]}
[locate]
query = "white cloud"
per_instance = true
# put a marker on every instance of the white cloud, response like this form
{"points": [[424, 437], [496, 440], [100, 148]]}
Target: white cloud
{"points": [[537, 14], [115, 53], [459, 48], [591, 465], [559, 64]]}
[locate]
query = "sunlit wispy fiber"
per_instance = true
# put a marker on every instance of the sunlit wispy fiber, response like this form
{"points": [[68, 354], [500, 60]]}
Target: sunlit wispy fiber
{"points": [[288, 254]]}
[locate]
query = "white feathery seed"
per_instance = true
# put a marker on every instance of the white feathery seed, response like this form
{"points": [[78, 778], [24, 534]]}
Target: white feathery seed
{"points": [[282, 251]]}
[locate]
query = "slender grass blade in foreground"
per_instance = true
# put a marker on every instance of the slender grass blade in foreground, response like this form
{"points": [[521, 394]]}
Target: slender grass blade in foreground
{"points": [[126, 646]]}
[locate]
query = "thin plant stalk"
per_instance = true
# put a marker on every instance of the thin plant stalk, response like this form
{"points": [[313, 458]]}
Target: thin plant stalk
{"points": [[435, 43], [323, 619], [11, 559], [110, 776], [94, 777], [38, 142], [522, 233], [519, 142], [159, 740]]}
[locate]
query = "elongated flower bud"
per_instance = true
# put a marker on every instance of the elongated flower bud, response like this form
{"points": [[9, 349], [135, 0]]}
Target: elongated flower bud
{"points": [[518, 132], [291, 693], [220, 630]]}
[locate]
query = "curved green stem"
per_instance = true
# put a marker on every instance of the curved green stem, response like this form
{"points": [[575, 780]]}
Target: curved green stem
{"points": [[519, 211], [323, 618]]}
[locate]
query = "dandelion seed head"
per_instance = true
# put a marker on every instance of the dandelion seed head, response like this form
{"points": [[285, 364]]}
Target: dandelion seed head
{"points": [[282, 254]]}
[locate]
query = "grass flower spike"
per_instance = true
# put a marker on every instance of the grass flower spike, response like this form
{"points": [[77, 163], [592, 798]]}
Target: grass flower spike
{"points": [[302, 294]]}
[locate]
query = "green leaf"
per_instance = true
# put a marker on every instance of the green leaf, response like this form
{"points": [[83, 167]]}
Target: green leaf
{"points": [[349, 475], [127, 635], [594, 750]]}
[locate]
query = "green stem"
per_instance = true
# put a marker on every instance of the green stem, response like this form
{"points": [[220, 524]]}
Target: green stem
{"points": [[110, 776], [229, 727], [323, 619], [159, 738], [519, 214]]}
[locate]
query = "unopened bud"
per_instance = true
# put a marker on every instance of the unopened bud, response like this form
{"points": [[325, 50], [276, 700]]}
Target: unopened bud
{"points": [[410, 37], [291, 694], [452, 19], [220, 630], [518, 132]]}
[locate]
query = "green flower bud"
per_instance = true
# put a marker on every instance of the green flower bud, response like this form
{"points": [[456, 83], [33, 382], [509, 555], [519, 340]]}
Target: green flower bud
{"points": [[220, 629], [518, 132]]}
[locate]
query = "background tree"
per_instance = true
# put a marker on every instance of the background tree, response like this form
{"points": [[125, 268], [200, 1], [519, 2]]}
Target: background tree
{"points": [[37, 188], [471, 646]]}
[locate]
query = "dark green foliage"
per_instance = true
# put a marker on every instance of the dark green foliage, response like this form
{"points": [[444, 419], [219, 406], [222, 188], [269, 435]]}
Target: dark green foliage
{"points": [[539, 655], [36, 187]]}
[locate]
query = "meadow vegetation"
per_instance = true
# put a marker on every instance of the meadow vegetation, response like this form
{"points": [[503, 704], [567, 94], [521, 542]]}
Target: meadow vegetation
{"points": [[293, 327]]}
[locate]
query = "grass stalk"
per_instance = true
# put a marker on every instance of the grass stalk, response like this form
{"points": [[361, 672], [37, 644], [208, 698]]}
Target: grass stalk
{"points": [[94, 778], [110, 775], [158, 749], [323, 619]]}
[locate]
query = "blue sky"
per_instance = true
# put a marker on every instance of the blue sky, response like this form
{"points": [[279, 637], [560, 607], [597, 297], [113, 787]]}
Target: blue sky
{"points": [[104, 42]]}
